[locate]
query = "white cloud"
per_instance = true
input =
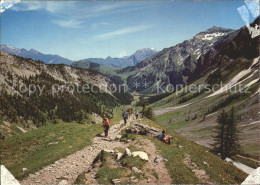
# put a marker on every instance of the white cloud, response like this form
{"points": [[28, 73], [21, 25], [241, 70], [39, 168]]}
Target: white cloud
{"points": [[107, 7], [68, 23], [122, 31], [96, 25], [76, 11], [49, 6], [28, 6]]}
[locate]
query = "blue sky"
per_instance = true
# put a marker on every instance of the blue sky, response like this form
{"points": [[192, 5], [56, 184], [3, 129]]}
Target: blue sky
{"points": [[77, 30]]}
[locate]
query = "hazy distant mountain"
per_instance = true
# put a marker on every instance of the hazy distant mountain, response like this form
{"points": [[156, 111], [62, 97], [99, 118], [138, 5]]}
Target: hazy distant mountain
{"points": [[142, 54], [35, 55], [126, 61], [132, 60]]}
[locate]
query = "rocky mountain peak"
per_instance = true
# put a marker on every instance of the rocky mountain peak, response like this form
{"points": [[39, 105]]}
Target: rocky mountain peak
{"points": [[212, 33], [142, 54]]}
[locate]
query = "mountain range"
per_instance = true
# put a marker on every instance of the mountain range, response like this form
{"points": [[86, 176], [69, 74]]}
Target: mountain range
{"points": [[126, 61], [186, 61], [35, 55], [174, 65], [131, 60]]}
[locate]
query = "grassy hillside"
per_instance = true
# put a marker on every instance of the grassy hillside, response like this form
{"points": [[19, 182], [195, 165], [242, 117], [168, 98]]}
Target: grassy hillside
{"points": [[34, 94], [35, 149], [218, 171], [194, 112], [38, 148]]}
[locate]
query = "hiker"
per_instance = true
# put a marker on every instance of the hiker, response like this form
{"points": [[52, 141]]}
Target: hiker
{"points": [[163, 137], [106, 125], [125, 116], [136, 115]]}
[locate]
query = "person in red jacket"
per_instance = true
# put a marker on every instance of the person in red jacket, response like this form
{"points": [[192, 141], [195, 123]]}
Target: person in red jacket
{"points": [[164, 138], [106, 125]]}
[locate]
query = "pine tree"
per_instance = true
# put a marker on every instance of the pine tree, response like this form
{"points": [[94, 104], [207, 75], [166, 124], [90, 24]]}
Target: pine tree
{"points": [[219, 145], [226, 140], [233, 145]]}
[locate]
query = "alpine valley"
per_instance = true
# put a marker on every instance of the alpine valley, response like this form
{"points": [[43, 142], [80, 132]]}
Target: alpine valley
{"points": [[53, 131]]}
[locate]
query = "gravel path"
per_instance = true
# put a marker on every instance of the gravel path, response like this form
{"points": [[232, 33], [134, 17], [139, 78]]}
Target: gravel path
{"points": [[169, 109], [66, 170]]}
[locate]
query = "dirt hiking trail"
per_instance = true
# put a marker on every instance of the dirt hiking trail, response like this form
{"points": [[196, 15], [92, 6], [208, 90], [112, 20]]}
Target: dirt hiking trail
{"points": [[67, 169]]}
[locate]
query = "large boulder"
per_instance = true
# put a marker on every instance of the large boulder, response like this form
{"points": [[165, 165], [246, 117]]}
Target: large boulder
{"points": [[142, 155]]}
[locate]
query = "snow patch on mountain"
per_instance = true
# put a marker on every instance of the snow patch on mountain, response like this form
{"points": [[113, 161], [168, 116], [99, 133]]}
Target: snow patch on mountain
{"points": [[234, 81], [212, 36], [252, 82]]}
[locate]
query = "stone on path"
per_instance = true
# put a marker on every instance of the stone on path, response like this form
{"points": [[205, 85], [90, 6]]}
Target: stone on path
{"points": [[158, 159], [142, 155], [116, 181], [63, 182], [136, 170], [127, 152], [119, 156], [118, 136], [7, 178], [109, 151], [54, 143], [142, 129]]}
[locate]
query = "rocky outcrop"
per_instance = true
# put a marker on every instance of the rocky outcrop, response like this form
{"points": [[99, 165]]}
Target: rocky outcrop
{"points": [[143, 130]]}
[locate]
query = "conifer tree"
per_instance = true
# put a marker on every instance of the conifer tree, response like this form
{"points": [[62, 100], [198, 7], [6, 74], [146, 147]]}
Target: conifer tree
{"points": [[226, 140], [219, 145], [233, 145]]}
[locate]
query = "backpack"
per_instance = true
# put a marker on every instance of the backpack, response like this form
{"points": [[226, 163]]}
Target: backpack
{"points": [[125, 115]]}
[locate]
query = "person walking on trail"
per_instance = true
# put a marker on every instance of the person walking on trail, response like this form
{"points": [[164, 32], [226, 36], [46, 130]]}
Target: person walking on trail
{"points": [[125, 116], [164, 138], [106, 125], [136, 114]]}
